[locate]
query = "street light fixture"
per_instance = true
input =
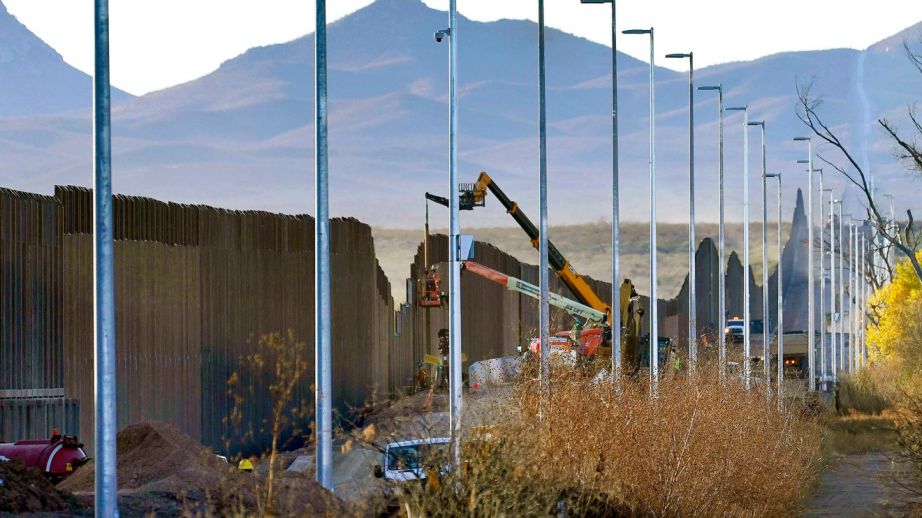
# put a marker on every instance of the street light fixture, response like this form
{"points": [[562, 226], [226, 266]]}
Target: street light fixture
{"points": [[811, 325], [615, 203], [746, 267], [765, 366], [654, 337], [779, 376], [692, 270], [722, 273]]}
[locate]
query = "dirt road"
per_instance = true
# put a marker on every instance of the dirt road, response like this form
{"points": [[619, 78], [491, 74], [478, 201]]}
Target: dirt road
{"points": [[866, 484]]}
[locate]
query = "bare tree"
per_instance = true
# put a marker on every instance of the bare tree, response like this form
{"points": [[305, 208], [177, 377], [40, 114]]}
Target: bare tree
{"points": [[906, 240]]}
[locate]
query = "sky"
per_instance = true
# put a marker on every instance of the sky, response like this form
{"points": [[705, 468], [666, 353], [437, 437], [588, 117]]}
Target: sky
{"points": [[160, 43]]}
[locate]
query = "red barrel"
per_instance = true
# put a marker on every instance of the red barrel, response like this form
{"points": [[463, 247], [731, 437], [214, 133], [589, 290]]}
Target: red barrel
{"points": [[57, 457]]}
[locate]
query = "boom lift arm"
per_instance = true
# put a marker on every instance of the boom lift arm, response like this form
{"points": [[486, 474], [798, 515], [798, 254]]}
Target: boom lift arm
{"points": [[568, 275], [574, 308]]}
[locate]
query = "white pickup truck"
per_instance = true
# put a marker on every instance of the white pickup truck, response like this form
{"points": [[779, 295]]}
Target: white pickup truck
{"points": [[405, 461]]}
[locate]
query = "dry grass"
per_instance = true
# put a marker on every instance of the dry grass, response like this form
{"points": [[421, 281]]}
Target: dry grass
{"points": [[588, 247], [701, 449]]}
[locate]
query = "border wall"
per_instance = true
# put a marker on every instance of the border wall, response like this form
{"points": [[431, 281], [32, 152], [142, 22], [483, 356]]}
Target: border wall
{"points": [[197, 286]]}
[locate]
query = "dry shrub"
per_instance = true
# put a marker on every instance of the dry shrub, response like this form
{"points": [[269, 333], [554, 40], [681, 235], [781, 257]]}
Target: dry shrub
{"points": [[701, 449], [860, 393]]}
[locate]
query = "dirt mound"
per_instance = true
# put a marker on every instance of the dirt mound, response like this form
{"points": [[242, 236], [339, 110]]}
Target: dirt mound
{"points": [[159, 461], [156, 454], [24, 489]]}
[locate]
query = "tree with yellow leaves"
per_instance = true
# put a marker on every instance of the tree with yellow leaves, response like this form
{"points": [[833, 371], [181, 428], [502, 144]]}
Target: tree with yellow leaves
{"points": [[897, 335]]}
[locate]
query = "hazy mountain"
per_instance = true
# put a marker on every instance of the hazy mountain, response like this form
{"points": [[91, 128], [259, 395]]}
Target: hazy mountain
{"points": [[242, 135], [34, 78]]}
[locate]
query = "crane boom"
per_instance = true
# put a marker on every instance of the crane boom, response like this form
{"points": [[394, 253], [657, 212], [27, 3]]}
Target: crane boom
{"points": [[568, 275], [518, 285]]}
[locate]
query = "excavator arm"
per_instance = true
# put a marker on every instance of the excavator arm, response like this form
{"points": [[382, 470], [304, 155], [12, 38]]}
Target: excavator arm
{"points": [[568, 275]]}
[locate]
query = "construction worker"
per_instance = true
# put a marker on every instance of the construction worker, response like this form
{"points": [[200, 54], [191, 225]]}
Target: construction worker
{"points": [[422, 377], [444, 349]]}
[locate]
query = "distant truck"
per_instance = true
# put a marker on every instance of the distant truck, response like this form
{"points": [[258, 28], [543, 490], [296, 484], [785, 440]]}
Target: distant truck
{"points": [[734, 330], [406, 461]]}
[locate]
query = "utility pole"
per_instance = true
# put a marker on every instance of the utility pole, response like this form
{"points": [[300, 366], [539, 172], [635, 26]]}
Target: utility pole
{"points": [[722, 267], [542, 238], [454, 284], [323, 370], [765, 317], [747, 352], [779, 376], [105, 397], [654, 332], [811, 317], [692, 269]]}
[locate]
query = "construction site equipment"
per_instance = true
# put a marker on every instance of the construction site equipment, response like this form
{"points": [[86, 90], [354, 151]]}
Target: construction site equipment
{"points": [[474, 195], [432, 296], [57, 457]]}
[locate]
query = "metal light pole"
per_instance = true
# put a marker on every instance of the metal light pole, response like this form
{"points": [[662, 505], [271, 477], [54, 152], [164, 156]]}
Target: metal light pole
{"points": [[323, 373], [722, 270], [779, 375], [544, 308], [692, 242], [811, 325], [841, 270], [824, 346], [105, 397], [853, 297], [822, 275], [654, 332], [746, 267], [765, 318], [615, 205], [454, 285], [864, 297], [833, 339]]}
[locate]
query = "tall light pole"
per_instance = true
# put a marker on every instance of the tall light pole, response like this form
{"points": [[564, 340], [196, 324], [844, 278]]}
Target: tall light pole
{"points": [[654, 332], [454, 286], [824, 346], [746, 267], [841, 270], [833, 339], [822, 275], [779, 375], [615, 205], [722, 267], [692, 269], [853, 296], [864, 296], [765, 366], [811, 325], [542, 237], [323, 384], [836, 299], [105, 396]]}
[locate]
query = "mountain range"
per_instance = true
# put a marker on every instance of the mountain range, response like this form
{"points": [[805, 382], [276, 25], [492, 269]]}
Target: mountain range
{"points": [[242, 136]]}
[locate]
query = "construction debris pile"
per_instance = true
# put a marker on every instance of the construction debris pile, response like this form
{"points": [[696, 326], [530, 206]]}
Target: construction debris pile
{"points": [[26, 490], [165, 471]]}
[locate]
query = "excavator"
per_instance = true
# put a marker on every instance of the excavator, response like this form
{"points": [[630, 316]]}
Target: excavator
{"points": [[595, 335]]}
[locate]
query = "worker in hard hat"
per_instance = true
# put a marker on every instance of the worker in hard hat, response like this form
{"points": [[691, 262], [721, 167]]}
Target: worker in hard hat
{"points": [[245, 465]]}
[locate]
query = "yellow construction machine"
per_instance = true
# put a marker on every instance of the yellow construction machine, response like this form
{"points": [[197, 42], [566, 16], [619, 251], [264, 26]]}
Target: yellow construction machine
{"points": [[474, 195]]}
